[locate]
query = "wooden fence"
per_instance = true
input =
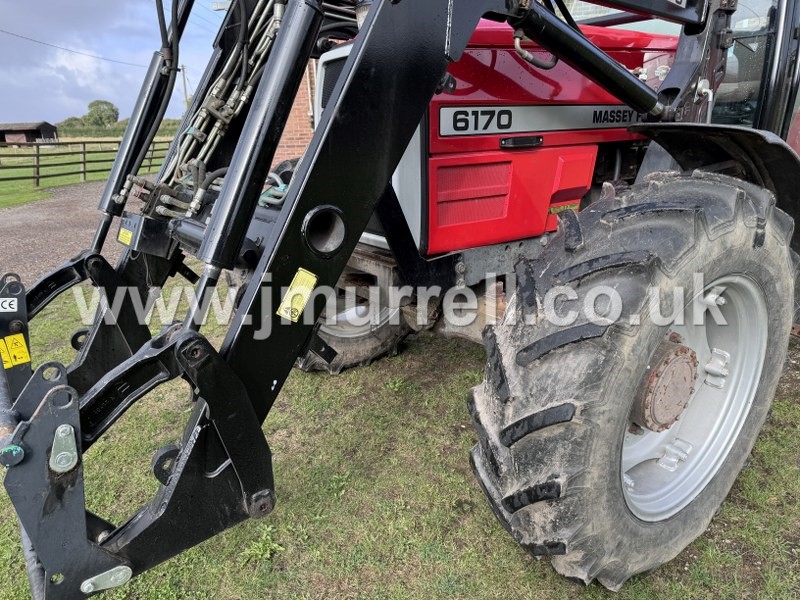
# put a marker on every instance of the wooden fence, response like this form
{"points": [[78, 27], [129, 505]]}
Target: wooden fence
{"points": [[69, 160]]}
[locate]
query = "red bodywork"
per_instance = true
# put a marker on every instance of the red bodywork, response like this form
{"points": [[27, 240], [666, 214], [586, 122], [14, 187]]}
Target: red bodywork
{"points": [[481, 194]]}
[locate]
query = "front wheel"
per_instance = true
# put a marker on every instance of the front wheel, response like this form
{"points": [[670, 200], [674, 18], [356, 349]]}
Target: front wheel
{"points": [[632, 372]]}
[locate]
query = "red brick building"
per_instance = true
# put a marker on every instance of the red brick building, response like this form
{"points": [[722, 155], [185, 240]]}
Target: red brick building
{"points": [[299, 129]]}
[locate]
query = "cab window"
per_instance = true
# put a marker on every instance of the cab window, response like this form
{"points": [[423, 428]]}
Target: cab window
{"points": [[740, 94]]}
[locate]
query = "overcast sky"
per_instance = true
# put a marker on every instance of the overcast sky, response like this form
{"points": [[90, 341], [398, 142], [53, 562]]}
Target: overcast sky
{"points": [[41, 83]]}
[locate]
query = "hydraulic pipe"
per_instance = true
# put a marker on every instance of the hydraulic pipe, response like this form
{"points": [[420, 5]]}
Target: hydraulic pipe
{"points": [[571, 46], [255, 150], [145, 115]]}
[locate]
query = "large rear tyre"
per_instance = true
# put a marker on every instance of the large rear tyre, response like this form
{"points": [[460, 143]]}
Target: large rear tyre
{"points": [[610, 443]]}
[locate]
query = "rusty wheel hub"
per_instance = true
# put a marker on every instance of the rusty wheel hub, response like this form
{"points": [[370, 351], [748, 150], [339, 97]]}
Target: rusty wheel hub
{"points": [[667, 390]]}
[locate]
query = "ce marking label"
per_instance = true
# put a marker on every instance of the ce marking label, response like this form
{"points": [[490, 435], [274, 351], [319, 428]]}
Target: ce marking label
{"points": [[8, 305]]}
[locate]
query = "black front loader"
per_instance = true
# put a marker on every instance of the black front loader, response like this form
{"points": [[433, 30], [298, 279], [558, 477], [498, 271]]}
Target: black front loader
{"points": [[221, 472]]}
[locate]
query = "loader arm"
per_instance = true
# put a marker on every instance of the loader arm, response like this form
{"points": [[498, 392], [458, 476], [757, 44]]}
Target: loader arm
{"points": [[220, 474]]}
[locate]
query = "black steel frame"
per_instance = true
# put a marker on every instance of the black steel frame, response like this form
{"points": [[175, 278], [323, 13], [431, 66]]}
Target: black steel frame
{"points": [[221, 473]]}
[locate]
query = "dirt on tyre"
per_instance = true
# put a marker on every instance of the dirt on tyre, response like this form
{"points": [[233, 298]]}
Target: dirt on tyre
{"points": [[608, 441]]}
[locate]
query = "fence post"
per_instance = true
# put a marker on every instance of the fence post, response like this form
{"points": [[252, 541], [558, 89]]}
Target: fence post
{"points": [[36, 165], [83, 162], [150, 158]]}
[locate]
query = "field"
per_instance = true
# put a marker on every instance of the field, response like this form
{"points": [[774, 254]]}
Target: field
{"points": [[59, 165], [376, 498]]}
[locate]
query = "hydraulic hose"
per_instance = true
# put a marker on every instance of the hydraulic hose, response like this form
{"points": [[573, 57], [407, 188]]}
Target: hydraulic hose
{"points": [[173, 75], [32, 566], [211, 177], [162, 24], [8, 419]]}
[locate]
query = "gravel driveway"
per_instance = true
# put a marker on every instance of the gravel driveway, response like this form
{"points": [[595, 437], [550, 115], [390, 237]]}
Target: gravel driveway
{"points": [[38, 236]]}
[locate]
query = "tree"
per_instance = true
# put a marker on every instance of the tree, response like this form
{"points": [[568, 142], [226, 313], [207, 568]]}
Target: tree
{"points": [[71, 123], [101, 114]]}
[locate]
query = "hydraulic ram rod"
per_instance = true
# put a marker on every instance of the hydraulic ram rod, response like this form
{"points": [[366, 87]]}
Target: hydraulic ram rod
{"points": [[147, 113], [262, 131], [573, 48]]}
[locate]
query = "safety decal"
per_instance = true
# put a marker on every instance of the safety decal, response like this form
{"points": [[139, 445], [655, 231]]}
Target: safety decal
{"points": [[7, 364], [125, 236], [559, 208], [14, 351], [296, 298]]}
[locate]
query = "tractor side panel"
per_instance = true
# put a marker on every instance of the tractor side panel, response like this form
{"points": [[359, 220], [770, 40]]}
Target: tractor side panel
{"points": [[513, 145], [484, 198]]}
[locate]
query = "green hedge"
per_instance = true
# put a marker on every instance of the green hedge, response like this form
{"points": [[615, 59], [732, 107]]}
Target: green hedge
{"points": [[166, 129]]}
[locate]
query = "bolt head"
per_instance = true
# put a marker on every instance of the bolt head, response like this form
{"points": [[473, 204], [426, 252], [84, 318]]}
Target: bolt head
{"points": [[87, 587], [63, 459], [64, 431], [11, 456]]}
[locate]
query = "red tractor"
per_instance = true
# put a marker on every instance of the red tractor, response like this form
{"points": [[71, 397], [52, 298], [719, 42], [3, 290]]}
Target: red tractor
{"points": [[609, 211]]}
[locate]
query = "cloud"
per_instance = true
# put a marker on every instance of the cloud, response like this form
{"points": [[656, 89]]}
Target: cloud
{"points": [[43, 83]]}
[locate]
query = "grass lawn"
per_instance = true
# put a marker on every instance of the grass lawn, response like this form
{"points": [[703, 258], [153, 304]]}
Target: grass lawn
{"points": [[376, 498]]}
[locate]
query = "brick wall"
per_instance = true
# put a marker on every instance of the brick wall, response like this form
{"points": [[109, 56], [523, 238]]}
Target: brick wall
{"points": [[298, 130]]}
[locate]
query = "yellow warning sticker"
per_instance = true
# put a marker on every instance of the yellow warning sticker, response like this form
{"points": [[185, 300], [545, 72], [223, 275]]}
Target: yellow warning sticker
{"points": [[558, 208], [7, 364], [17, 350], [125, 236], [295, 300]]}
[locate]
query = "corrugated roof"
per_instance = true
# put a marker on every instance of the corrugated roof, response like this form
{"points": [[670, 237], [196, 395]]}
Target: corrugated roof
{"points": [[23, 126]]}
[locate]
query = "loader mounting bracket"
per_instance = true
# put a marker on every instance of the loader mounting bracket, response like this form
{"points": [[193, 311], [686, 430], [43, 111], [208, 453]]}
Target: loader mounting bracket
{"points": [[223, 456]]}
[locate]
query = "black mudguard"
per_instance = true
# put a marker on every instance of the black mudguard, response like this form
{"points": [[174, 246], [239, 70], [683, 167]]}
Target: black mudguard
{"points": [[759, 157]]}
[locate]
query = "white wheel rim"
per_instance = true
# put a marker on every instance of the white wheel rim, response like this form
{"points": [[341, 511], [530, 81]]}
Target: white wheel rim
{"points": [[664, 472], [355, 322]]}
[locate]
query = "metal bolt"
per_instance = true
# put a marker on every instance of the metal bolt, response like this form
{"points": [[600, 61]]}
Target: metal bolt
{"points": [[108, 580], [64, 455], [16, 327], [714, 297], [461, 283], [461, 267], [11, 456], [63, 459], [261, 504]]}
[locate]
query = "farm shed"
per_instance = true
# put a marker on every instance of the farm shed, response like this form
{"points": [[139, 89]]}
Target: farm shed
{"points": [[27, 132]]}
